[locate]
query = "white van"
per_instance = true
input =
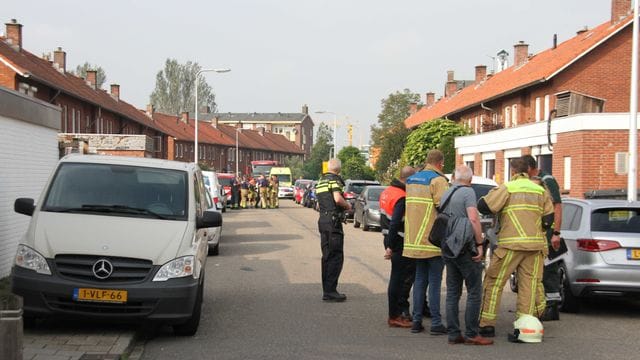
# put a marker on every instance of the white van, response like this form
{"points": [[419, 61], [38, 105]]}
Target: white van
{"points": [[116, 238]]}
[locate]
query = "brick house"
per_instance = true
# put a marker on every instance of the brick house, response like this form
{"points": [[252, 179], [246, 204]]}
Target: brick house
{"points": [[85, 108], [296, 127], [579, 87], [217, 143]]}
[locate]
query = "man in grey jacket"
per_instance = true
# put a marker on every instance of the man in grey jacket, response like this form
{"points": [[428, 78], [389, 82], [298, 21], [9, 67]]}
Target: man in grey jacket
{"points": [[462, 252]]}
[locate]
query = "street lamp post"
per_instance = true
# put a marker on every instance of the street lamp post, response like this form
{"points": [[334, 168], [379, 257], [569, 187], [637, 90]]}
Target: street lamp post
{"points": [[195, 150], [335, 125], [237, 157]]}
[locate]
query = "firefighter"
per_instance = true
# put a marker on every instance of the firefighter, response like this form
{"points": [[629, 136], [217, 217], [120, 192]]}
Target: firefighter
{"points": [[524, 209], [253, 193], [274, 184], [263, 189], [424, 190], [244, 191], [332, 206], [403, 270]]}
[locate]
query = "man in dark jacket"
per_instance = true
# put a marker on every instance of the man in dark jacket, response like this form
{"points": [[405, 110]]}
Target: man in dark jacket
{"points": [[392, 204]]}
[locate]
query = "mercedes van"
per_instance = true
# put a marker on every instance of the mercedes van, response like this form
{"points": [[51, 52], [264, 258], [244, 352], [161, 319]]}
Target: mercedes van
{"points": [[116, 238]]}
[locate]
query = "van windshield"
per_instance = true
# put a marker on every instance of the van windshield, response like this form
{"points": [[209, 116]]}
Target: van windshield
{"points": [[118, 190], [283, 178]]}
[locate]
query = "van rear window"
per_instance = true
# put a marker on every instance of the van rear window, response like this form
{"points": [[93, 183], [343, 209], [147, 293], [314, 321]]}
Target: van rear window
{"points": [[122, 190]]}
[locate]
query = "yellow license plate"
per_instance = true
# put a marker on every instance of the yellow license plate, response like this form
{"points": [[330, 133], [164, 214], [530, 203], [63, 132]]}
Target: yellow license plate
{"points": [[633, 254], [100, 295]]}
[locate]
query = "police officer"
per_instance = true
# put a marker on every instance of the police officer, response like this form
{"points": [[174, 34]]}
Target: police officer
{"points": [[332, 206], [524, 209]]}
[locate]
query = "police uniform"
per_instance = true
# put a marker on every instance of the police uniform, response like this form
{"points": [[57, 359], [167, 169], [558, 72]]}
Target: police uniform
{"points": [[330, 228], [524, 209]]}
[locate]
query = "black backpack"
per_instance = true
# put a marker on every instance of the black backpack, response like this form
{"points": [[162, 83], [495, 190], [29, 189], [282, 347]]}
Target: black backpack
{"points": [[439, 229]]}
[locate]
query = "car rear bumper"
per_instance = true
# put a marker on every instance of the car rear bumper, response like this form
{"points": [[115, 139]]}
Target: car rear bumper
{"points": [[373, 219], [169, 301], [606, 280]]}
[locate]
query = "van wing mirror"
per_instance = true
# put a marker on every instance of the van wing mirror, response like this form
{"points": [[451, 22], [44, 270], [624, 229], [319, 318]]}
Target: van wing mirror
{"points": [[209, 218], [25, 206]]}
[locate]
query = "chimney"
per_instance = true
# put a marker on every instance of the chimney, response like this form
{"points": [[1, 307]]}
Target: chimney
{"points": [[451, 88], [150, 109], [184, 117], [521, 50], [431, 99], [450, 75], [92, 76], [214, 121], [261, 131], [619, 10], [413, 108], [60, 60], [481, 73], [115, 91], [14, 34], [305, 109], [555, 41]]}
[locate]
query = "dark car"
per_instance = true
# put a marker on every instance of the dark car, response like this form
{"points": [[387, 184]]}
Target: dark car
{"points": [[309, 196], [367, 209], [353, 188]]}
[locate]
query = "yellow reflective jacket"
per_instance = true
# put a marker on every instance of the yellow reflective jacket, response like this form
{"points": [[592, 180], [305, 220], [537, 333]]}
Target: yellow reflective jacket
{"points": [[424, 190], [521, 204]]}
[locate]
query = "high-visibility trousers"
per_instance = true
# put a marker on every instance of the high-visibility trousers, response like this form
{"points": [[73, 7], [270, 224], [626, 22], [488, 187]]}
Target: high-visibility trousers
{"points": [[529, 265], [264, 197], [274, 199], [243, 197]]}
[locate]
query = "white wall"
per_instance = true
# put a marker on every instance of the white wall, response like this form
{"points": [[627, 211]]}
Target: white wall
{"points": [[28, 154]]}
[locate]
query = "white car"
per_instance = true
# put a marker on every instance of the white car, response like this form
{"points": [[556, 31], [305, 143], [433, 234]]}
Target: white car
{"points": [[116, 238], [213, 233], [216, 190]]}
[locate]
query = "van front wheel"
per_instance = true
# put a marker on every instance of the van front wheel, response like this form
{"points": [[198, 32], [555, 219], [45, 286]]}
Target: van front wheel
{"points": [[190, 327]]}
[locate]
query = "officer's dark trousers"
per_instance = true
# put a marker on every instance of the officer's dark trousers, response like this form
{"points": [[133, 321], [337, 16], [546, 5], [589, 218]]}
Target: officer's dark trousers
{"points": [[403, 271], [332, 243]]}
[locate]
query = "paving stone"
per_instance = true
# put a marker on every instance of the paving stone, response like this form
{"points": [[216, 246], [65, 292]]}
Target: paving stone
{"points": [[94, 349], [50, 357]]}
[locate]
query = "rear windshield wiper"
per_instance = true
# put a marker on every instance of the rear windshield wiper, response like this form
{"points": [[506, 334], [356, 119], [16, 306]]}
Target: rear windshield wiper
{"points": [[110, 209]]}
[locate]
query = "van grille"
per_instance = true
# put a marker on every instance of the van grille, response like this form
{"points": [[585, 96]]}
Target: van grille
{"points": [[125, 270]]}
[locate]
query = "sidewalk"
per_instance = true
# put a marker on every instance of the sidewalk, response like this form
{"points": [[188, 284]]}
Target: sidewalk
{"points": [[71, 341]]}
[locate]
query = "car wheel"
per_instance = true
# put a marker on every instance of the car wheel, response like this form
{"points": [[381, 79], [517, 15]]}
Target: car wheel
{"points": [[365, 225], [513, 282], [190, 327], [214, 250], [569, 303]]}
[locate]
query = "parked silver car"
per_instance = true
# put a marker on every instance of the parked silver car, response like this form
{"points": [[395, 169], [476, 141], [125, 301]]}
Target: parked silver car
{"points": [[603, 250], [367, 207]]}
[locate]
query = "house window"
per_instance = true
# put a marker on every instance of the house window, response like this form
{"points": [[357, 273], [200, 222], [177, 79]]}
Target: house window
{"points": [[567, 173], [538, 109], [469, 164], [490, 168], [545, 163], [507, 116], [476, 125], [514, 115], [547, 107], [481, 123]]}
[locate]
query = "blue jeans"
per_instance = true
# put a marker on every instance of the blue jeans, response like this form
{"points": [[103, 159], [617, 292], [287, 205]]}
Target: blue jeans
{"points": [[459, 270], [428, 270]]}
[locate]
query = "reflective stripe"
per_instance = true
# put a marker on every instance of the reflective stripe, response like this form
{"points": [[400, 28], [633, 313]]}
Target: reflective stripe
{"points": [[523, 207], [422, 247], [490, 314], [385, 232], [534, 285], [401, 234], [517, 239], [418, 200], [516, 224]]}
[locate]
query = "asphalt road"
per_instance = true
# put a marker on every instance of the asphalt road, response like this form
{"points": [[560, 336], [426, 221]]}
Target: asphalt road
{"points": [[263, 301]]}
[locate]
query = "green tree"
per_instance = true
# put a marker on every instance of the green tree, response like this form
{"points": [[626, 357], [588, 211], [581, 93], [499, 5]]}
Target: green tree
{"points": [[175, 88], [390, 134], [435, 134], [348, 152], [101, 76], [354, 165], [296, 164], [320, 151]]}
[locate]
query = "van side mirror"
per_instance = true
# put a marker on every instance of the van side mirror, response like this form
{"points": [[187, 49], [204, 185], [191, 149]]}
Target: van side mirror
{"points": [[25, 206], [210, 218]]}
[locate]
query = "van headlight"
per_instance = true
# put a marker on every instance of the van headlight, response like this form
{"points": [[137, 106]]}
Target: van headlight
{"points": [[30, 259], [176, 268]]}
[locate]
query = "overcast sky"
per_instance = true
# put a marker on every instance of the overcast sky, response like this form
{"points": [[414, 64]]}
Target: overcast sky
{"points": [[342, 56]]}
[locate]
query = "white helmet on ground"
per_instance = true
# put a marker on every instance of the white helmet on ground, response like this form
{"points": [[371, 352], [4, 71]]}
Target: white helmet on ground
{"points": [[527, 329]]}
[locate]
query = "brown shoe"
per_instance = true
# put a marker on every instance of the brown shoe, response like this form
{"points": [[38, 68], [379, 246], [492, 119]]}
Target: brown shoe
{"points": [[478, 340], [399, 322]]}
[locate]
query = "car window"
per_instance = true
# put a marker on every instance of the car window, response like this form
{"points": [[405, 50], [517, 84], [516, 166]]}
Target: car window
{"points": [[82, 185], [571, 216], [481, 190], [622, 220], [374, 194], [224, 181]]}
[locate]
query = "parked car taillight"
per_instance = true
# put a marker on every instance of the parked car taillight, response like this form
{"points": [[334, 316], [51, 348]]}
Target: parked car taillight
{"points": [[349, 195], [593, 245], [216, 200]]}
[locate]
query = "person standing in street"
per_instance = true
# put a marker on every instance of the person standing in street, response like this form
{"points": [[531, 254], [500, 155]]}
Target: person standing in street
{"points": [[331, 204], [274, 185], [263, 186], [462, 254], [244, 192], [235, 192], [424, 190], [392, 205], [551, 279], [524, 209]]}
